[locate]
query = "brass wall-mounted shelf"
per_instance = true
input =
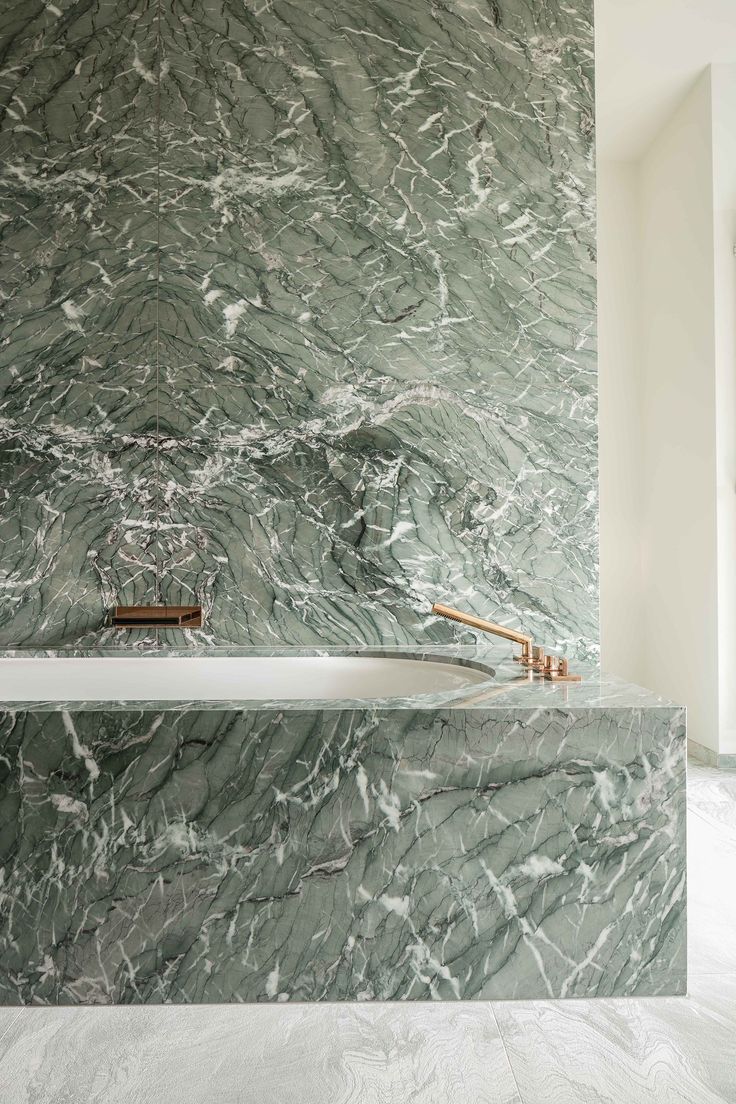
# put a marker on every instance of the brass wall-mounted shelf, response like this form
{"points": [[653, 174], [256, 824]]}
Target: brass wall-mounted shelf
{"points": [[157, 617]]}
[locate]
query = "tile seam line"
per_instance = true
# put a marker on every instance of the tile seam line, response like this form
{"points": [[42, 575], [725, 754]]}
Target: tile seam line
{"points": [[12, 1021], [499, 1029], [705, 820]]}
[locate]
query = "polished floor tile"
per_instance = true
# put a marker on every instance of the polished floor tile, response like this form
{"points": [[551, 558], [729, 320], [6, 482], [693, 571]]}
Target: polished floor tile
{"points": [[341, 1054], [711, 896], [666, 1050], [713, 797]]}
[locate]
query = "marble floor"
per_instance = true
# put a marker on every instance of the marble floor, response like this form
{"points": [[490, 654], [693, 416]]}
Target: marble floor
{"points": [[670, 1050]]}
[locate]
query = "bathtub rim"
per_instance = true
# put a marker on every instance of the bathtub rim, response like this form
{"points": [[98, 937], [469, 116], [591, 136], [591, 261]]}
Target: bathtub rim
{"points": [[506, 687], [417, 700]]}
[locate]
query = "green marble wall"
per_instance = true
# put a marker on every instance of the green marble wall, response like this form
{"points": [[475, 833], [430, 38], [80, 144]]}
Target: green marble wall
{"points": [[298, 316]]}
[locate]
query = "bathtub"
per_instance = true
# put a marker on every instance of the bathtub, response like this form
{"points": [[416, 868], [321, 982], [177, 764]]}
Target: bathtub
{"points": [[303, 678], [375, 824]]}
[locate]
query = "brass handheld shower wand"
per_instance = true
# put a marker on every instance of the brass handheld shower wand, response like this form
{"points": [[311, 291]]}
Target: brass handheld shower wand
{"points": [[486, 626], [554, 668]]}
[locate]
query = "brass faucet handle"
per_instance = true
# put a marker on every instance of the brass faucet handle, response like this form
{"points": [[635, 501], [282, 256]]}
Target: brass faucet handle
{"points": [[557, 669], [537, 658]]}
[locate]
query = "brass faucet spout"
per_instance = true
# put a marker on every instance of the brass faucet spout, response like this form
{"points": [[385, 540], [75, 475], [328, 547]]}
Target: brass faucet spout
{"points": [[553, 668]]}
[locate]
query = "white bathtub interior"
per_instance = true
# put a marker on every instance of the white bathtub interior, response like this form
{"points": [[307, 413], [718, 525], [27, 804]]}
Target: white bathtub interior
{"points": [[223, 678]]}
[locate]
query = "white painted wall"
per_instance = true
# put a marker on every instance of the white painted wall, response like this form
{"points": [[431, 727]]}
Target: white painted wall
{"points": [[620, 420], [667, 322], [647, 55], [723, 83], [679, 534]]}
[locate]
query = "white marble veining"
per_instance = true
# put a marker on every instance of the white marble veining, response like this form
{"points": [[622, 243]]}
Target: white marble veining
{"points": [[644, 1051]]}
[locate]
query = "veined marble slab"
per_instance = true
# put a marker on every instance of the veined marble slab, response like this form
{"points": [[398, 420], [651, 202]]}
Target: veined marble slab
{"points": [[301, 317], [530, 848]]}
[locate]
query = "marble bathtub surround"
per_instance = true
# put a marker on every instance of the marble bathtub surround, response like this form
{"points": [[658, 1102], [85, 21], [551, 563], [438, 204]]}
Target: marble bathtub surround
{"points": [[300, 317], [661, 1050], [529, 845]]}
